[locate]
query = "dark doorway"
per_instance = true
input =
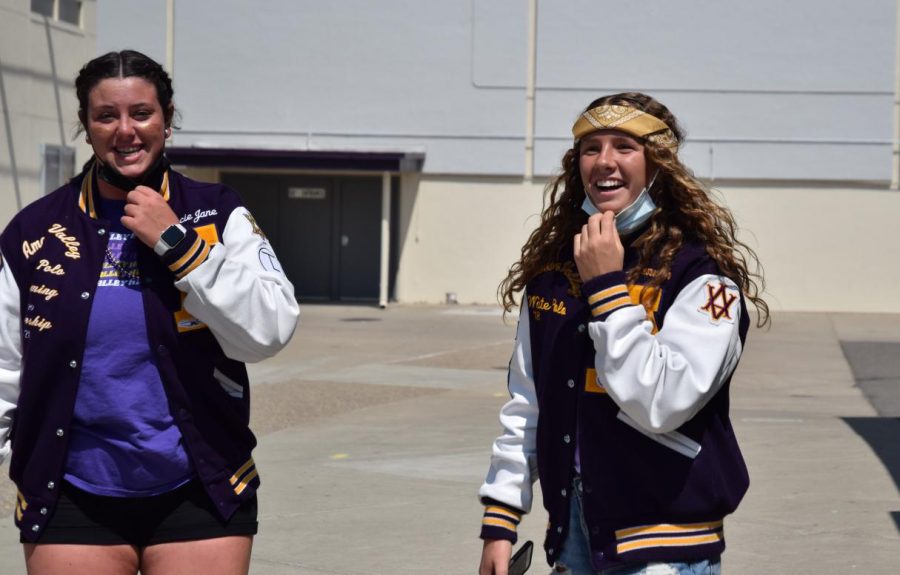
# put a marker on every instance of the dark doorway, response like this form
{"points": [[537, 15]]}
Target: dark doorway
{"points": [[325, 230]]}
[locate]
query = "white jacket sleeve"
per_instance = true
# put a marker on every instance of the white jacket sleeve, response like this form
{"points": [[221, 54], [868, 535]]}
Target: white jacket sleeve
{"points": [[662, 380], [240, 292], [513, 469], [10, 354]]}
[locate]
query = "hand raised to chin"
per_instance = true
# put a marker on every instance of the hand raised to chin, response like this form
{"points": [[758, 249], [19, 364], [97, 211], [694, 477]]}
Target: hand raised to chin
{"points": [[147, 214], [598, 249]]}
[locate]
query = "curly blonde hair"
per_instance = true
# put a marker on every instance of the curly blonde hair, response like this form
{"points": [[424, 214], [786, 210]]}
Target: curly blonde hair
{"points": [[686, 212]]}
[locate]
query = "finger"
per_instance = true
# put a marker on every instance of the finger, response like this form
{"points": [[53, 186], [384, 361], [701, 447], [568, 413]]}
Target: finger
{"points": [[595, 223], [133, 197], [586, 232], [608, 227], [614, 231], [141, 194], [145, 192], [576, 245], [616, 238]]}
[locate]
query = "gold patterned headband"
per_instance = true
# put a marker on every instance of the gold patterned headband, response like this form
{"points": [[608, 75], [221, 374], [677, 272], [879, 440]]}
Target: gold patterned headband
{"points": [[625, 119]]}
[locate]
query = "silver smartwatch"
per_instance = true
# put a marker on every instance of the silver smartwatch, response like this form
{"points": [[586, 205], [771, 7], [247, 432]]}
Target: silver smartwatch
{"points": [[169, 239]]}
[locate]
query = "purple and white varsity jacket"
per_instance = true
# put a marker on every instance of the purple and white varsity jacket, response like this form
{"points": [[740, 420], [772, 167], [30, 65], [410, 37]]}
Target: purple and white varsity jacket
{"points": [[644, 397], [216, 300]]}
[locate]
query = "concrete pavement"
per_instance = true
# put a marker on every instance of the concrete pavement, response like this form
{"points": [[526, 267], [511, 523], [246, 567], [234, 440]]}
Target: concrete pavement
{"points": [[375, 427]]}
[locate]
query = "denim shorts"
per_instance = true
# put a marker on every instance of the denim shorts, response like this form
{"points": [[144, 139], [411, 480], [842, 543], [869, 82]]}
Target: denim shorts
{"points": [[575, 558]]}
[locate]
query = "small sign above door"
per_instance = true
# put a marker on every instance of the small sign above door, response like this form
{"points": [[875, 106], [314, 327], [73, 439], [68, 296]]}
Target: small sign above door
{"points": [[307, 193]]}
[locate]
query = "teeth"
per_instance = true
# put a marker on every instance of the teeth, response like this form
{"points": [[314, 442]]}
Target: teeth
{"points": [[127, 150], [608, 184]]}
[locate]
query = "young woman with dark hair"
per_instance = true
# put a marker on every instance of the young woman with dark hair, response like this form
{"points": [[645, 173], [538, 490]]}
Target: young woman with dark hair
{"points": [[130, 299]]}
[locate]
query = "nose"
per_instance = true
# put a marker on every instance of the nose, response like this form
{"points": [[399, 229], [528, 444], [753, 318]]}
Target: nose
{"points": [[605, 157], [125, 128]]}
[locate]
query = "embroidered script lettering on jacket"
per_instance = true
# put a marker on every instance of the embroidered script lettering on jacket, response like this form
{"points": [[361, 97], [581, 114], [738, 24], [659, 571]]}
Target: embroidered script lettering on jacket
{"points": [[70, 242], [48, 293], [31, 248], [39, 322], [198, 215], [538, 304], [56, 269]]}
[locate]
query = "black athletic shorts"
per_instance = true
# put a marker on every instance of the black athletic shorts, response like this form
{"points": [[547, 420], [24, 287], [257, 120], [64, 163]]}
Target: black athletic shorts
{"points": [[184, 514]]}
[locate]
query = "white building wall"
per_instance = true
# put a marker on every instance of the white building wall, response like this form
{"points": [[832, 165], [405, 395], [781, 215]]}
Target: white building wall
{"points": [[133, 24], [349, 75], [461, 236], [767, 89], [39, 60], [824, 248], [788, 109]]}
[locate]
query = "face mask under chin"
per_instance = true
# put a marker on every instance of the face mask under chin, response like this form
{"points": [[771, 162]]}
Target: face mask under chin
{"points": [[151, 178], [632, 216]]}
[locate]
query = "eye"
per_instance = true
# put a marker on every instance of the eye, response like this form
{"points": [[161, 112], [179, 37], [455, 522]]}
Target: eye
{"points": [[143, 114]]}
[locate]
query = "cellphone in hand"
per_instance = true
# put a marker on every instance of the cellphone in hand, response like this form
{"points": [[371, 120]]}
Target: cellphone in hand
{"points": [[521, 561]]}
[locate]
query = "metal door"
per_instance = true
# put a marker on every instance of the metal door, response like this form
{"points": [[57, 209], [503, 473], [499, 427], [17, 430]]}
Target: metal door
{"points": [[306, 235], [359, 254], [325, 230]]}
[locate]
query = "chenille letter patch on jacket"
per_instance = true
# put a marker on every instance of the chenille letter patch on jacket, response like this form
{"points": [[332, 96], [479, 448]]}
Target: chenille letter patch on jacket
{"points": [[721, 302]]}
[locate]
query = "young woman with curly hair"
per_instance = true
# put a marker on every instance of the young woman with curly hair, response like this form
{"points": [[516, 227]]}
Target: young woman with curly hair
{"points": [[632, 322]]}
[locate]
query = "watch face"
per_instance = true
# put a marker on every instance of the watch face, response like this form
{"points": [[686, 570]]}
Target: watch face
{"points": [[172, 236]]}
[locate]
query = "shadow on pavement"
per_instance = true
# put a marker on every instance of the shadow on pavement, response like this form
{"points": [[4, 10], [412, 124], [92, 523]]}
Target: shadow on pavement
{"points": [[876, 369], [881, 434]]}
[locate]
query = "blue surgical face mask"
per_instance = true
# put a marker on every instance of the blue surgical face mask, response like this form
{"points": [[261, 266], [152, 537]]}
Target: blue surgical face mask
{"points": [[632, 216]]}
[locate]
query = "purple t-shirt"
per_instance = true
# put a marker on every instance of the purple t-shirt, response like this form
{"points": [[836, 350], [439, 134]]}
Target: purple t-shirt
{"points": [[123, 442]]}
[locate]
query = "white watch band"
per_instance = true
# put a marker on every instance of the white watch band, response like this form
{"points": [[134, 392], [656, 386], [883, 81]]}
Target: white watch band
{"points": [[161, 246]]}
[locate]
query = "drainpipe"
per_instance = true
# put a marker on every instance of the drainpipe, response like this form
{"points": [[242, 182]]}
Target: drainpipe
{"points": [[895, 167], [10, 140], [385, 239], [170, 38], [531, 80]]}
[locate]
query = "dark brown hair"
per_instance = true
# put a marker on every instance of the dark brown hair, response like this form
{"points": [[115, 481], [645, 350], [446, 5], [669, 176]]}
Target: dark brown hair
{"points": [[686, 212], [124, 64]]}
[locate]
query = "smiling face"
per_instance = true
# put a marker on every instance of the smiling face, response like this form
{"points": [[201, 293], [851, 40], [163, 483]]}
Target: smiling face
{"points": [[126, 124], [613, 169]]}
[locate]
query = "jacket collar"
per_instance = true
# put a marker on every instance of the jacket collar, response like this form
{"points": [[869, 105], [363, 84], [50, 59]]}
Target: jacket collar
{"points": [[88, 197]]}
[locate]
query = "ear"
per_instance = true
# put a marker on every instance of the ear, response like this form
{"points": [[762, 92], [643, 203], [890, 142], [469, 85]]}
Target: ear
{"points": [[82, 119], [168, 114]]}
